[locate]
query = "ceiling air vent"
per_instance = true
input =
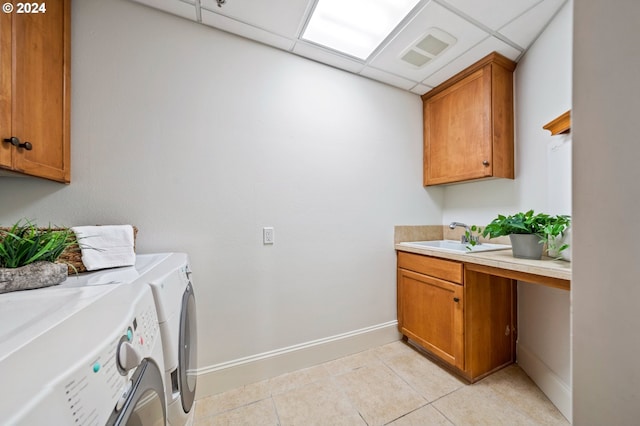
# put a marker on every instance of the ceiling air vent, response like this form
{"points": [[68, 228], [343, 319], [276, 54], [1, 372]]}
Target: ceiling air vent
{"points": [[427, 47]]}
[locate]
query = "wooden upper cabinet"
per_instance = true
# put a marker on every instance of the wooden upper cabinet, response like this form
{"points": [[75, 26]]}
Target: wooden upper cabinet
{"points": [[35, 91], [468, 124]]}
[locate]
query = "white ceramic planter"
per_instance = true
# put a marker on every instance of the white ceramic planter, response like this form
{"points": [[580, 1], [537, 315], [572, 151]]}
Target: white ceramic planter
{"points": [[559, 241]]}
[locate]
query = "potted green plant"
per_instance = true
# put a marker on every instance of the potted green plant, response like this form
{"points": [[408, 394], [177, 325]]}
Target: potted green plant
{"points": [[28, 255], [529, 231]]}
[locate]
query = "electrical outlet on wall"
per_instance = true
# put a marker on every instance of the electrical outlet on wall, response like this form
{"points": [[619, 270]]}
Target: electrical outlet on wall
{"points": [[268, 235]]}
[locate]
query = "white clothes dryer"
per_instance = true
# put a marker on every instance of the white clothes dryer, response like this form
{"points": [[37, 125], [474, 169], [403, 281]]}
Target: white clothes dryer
{"points": [[87, 355], [170, 282], [115, 276]]}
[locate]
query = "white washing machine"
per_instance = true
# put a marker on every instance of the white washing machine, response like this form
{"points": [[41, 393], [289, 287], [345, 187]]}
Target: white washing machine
{"points": [[83, 355], [170, 282]]}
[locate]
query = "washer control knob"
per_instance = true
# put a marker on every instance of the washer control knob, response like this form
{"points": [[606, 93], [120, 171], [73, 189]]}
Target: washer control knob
{"points": [[128, 356]]}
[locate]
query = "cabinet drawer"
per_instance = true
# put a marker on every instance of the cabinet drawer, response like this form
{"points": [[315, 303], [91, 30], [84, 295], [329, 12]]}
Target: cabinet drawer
{"points": [[439, 268]]}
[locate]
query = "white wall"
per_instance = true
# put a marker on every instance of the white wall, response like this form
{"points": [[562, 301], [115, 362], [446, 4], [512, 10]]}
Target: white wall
{"points": [[543, 182], [606, 292], [201, 138]]}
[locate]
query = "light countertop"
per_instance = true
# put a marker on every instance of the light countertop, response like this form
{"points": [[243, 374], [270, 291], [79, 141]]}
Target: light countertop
{"points": [[502, 259]]}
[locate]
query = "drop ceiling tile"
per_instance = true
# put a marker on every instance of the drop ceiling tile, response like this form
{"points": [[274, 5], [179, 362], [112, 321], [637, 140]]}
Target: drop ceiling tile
{"points": [[283, 17], [230, 25], [526, 28], [421, 89], [490, 44], [278, 22], [492, 13], [388, 78], [185, 9], [431, 16], [326, 57]]}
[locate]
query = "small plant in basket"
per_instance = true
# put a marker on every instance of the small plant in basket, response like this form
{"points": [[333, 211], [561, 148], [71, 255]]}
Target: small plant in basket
{"points": [[28, 255], [24, 243]]}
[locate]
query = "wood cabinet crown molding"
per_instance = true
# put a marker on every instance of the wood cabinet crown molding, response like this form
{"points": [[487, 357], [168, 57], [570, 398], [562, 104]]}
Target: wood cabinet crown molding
{"points": [[492, 58], [560, 124]]}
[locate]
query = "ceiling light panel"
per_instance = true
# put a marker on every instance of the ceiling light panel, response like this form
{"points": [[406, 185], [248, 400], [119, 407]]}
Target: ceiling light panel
{"points": [[355, 27]]}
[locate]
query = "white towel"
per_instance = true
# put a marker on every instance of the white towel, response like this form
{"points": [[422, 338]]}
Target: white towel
{"points": [[105, 246]]}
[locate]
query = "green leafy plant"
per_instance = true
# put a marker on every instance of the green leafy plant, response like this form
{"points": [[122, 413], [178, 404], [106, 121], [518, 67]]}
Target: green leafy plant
{"points": [[24, 243], [546, 227], [471, 237]]}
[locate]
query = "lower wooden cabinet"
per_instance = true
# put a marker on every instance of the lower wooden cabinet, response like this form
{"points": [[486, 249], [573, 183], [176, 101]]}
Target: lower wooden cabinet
{"points": [[465, 319]]}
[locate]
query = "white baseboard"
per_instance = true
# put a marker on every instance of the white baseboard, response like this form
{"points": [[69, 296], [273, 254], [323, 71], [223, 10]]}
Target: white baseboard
{"points": [[221, 377], [549, 382]]}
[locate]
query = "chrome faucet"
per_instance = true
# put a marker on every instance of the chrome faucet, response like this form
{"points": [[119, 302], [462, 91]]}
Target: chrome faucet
{"points": [[464, 239]]}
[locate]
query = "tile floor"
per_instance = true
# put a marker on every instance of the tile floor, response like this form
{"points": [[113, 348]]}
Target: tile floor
{"points": [[390, 385]]}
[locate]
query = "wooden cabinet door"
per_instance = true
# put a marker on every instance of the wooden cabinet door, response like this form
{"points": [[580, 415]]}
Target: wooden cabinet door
{"points": [[457, 131], [6, 149], [430, 312], [468, 124], [40, 92]]}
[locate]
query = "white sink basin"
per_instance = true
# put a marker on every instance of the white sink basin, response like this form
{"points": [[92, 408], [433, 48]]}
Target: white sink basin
{"points": [[455, 246]]}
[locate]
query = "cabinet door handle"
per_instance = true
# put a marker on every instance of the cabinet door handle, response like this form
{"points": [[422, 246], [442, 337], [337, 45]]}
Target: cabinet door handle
{"points": [[16, 142], [13, 141], [456, 299], [485, 163]]}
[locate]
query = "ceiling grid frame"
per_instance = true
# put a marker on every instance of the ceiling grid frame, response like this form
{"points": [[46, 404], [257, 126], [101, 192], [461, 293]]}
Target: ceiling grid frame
{"points": [[284, 32]]}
